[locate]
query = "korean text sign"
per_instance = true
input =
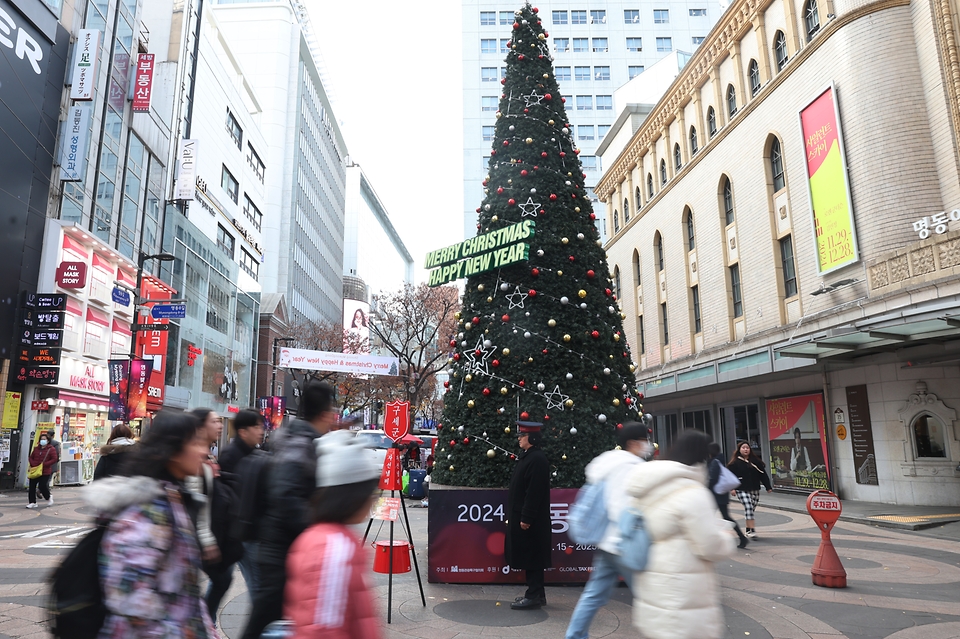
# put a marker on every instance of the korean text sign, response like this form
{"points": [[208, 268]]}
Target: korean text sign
{"points": [[396, 423], [143, 82], [827, 183]]}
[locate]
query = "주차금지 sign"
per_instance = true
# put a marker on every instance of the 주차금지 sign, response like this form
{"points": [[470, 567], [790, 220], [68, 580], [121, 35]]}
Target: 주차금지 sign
{"points": [[358, 364], [827, 182], [491, 250]]}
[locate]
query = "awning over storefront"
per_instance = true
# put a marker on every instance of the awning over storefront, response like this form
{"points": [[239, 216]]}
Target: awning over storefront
{"points": [[92, 401]]}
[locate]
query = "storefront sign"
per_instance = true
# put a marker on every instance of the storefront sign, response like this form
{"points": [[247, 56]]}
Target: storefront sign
{"points": [[861, 436], [86, 55], [37, 374], [42, 319], [118, 95], [187, 170], [827, 183], [73, 143], [937, 221], [151, 339], [143, 82], [495, 249], [467, 530], [85, 376], [798, 444], [11, 410], [71, 275], [42, 405], [44, 356], [119, 372], [247, 235], [46, 301], [302, 359]]}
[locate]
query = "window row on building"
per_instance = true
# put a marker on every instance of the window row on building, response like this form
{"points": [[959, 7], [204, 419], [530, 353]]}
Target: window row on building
{"points": [[586, 16], [565, 73]]}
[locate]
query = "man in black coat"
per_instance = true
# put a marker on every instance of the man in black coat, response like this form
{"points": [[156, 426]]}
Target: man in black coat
{"points": [[529, 536], [291, 480]]}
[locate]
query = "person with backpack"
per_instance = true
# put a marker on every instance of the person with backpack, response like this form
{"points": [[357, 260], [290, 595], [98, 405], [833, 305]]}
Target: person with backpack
{"points": [[43, 463], [678, 592], [751, 471], [291, 480], [721, 492], [149, 555], [326, 592], [115, 452], [529, 535], [608, 471]]}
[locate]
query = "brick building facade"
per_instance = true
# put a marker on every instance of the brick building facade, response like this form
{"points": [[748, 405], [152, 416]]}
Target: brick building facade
{"points": [[737, 320]]}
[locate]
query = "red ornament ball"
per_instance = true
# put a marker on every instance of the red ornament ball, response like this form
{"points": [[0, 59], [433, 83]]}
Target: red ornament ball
{"points": [[607, 292], [516, 25], [522, 384], [466, 440], [453, 443], [562, 154], [546, 352], [493, 152], [547, 97], [593, 216], [595, 387], [505, 318], [591, 274], [453, 342], [478, 209], [495, 362], [446, 384], [524, 415], [629, 401], [532, 293], [478, 352], [553, 197], [512, 456], [639, 395], [535, 10], [499, 189], [523, 173], [521, 57], [535, 272], [543, 155], [572, 258], [511, 201], [506, 143], [595, 334], [456, 357], [564, 100], [476, 320], [486, 392], [526, 110], [503, 81], [546, 418]]}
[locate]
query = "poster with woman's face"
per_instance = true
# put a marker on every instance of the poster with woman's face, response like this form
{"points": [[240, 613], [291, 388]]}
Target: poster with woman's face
{"points": [[356, 326]]}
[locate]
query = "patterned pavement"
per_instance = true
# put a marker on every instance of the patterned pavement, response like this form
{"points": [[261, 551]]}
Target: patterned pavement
{"points": [[902, 584]]}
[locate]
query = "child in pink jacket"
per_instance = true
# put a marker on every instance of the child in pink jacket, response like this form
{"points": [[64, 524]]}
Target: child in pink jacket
{"points": [[326, 594]]}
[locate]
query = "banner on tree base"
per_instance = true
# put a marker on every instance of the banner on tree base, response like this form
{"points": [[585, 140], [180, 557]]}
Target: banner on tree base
{"points": [[467, 530], [495, 249], [798, 442]]}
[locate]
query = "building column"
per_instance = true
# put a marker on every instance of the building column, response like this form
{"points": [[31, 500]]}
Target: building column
{"points": [[685, 154], [656, 168], [609, 217], [668, 151], [738, 78], [634, 205], [719, 107], [760, 29], [702, 135], [790, 14]]}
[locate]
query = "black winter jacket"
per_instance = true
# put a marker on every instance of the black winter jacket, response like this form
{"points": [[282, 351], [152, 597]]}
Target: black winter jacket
{"points": [[112, 459], [529, 502], [232, 454], [751, 474], [291, 480]]}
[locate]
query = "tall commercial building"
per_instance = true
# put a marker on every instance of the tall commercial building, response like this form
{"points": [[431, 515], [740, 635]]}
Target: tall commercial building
{"points": [[305, 155], [788, 278], [596, 48]]}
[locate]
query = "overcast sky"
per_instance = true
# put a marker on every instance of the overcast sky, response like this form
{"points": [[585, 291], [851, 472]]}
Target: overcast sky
{"points": [[395, 73]]}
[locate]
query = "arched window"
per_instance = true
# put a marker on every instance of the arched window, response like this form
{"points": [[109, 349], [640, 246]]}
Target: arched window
{"points": [[677, 157], [659, 242], [731, 100], [626, 211], [754, 69], [776, 165], [616, 282], [728, 215], [780, 50], [616, 220], [663, 171], [811, 18], [649, 185], [712, 121], [636, 268], [928, 436], [693, 141], [636, 197], [691, 239]]}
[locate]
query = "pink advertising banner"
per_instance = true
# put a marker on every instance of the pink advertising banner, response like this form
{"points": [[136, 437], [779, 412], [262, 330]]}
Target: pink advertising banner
{"points": [[798, 442]]}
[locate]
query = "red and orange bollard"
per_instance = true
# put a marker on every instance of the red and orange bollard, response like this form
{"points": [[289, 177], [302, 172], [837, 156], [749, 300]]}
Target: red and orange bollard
{"points": [[827, 571]]}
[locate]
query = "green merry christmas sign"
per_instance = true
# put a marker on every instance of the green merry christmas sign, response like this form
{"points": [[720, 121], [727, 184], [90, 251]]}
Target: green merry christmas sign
{"points": [[491, 250]]}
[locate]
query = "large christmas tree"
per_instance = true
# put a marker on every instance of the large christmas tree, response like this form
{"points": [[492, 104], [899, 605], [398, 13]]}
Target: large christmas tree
{"points": [[542, 339]]}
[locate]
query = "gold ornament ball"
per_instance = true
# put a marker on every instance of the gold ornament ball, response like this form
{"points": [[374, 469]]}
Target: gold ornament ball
{"points": [[542, 37], [545, 75], [495, 218], [507, 430], [550, 122], [576, 209], [469, 377], [616, 337], [491, 453], [490, 299], [568, 403], [467, 326], [451, 468], [564, 458], [480, 287], [510, 181], [471, 404], [457, 315], [529, 140], [506, 351], [552, 323], [610, 356], [632, 368], [566, 338], [582, 293], [559, 273], [529, 360], [504, 391], [623, 316], [499, 115], [564, 240], [616, 402]]}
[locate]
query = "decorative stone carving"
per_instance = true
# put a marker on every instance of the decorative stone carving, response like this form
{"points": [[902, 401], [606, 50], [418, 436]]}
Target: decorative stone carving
{"points": [[922, 261], [879, 277], [949, 253], [693, 267], [783, 212], [921, 402], [899, 268], [733, 243]]}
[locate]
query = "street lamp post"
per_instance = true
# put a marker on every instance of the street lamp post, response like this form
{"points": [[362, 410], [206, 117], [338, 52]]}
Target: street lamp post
{"points": [[273, 375]]}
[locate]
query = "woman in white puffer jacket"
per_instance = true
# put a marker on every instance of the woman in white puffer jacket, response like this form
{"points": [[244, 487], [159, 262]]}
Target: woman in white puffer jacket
{"points": [[678, 595]]}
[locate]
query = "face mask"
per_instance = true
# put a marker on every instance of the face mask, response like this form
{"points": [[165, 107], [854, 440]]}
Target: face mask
{"points": [[43, 442]]}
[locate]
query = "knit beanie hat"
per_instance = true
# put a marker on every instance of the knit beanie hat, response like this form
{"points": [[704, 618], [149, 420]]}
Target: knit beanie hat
{"points": [[343, 459]]}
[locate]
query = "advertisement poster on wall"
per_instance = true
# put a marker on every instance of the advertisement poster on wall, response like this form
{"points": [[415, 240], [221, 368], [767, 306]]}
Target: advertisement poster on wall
{"points": [[467, 530], [356, 326], [272, 409], [798, 444]]}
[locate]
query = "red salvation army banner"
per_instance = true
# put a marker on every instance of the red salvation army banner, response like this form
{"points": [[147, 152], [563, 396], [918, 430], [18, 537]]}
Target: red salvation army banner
{"points": [[798, 443], [467, 530]]}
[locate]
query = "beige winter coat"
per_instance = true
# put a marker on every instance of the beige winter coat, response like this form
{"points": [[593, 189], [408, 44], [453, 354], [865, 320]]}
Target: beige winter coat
{"points": [[679, 592]]}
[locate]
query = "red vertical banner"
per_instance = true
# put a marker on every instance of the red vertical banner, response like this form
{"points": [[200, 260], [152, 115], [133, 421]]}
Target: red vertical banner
{"points": [[396, 422], [143, 82], [392, 476], [152, 344], [138, 387]]}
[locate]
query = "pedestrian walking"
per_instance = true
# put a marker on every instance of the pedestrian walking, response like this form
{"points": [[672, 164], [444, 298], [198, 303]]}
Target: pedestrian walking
{"points": [[200, 489], [114, 454], [326, 594], [149, 554], [529, 538], [752, 472], [291, 482], [679, 591], [43, 462], [714, 470], [612, 469]]}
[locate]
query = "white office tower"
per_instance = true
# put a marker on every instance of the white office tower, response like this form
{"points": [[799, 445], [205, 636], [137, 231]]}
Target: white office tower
{"points": [[597, 47], [303, 213]]}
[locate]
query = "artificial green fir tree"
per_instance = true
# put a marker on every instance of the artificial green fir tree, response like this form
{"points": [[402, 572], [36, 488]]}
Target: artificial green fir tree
{"points": [[540, 340]]}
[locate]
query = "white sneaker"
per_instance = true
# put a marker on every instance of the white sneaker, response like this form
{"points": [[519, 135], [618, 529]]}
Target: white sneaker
{"points": [[31, 505], [50, 501]]}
